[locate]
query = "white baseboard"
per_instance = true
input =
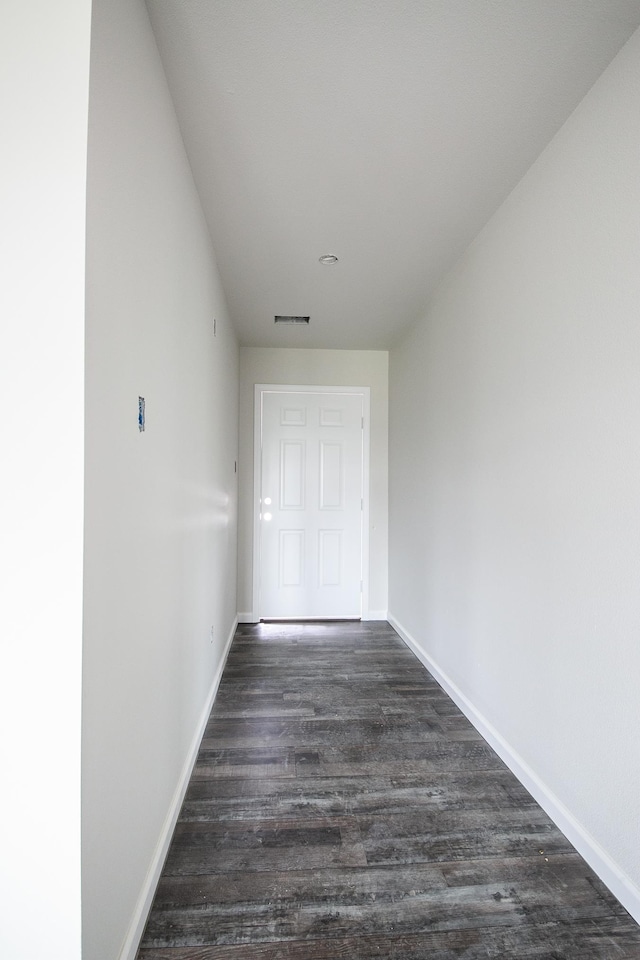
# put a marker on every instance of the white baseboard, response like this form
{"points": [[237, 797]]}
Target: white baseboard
{"points": [[247, 618], [598, 859], [143, 906], [376, 615], [370, 615]]}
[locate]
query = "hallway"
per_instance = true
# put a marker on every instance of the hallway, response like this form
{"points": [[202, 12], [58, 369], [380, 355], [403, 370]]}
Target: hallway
{"points": [[342, 806]]}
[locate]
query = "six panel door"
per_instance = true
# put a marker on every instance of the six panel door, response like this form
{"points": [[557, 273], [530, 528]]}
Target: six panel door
{"points": [[311, 505]]}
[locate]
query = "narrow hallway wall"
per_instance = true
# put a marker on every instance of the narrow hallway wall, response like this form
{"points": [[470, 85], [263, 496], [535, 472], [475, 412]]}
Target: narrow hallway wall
{"points": [[160, 562], [515, 457], [44, 66]]}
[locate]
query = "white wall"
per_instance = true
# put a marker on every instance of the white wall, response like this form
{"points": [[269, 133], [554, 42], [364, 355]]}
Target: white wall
{"points": [[160, 505], [44, 75], [515, 465], [358, 368]]}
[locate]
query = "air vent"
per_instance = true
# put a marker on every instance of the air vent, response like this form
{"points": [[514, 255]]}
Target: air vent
{"points": [[291, 319]]}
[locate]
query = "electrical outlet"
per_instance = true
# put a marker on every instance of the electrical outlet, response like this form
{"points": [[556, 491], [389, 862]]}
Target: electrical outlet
{"points": [[211, 634], [215, 327]]}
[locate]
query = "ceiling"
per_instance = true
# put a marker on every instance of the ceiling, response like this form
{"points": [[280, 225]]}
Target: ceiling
{"points": [[385, 132]]}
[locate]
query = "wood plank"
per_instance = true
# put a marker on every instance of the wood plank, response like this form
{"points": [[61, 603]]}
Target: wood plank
{"points": [[253, 799], [245, 762], [379, 900], [582, 940], [214, 847], [386, 759]]}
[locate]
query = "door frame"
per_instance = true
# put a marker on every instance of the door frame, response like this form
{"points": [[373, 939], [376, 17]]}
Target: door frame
{"points": [[259, 390]]}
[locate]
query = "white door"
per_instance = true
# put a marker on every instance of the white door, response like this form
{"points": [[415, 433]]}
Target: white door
{"points": [[311, 504]]}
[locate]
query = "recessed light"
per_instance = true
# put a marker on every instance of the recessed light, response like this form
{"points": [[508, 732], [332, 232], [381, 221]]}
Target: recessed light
{"points": [[328, 258]]}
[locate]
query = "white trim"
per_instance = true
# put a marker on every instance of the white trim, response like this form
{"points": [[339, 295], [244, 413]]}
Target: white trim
{"points": [[247, 618], [618, 882], [366, 473], [376, 615], [365, 393], [255, 500], [145, 899], [300, 619]]}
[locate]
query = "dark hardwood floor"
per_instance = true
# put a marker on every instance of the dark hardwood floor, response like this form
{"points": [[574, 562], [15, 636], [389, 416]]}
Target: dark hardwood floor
{"points": [[342, 807]]}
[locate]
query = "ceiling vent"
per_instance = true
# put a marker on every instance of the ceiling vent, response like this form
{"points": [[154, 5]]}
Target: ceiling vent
{"points": [[278, 319]]}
